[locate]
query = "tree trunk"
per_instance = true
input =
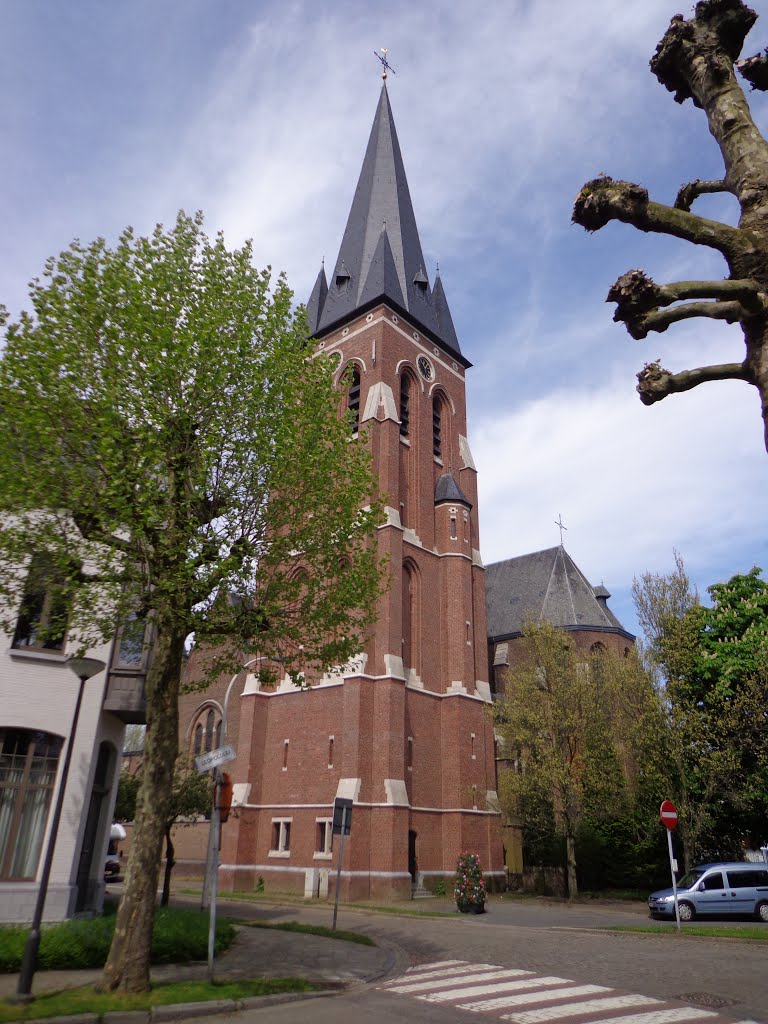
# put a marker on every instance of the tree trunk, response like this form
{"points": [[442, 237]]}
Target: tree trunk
{"points": [[169, 863], [127, 966], [570, 856]]}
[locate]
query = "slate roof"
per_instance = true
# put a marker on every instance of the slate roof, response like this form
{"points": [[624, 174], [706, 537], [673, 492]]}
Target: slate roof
{"points": [[447, 489], [545, 584], [380, 256]]}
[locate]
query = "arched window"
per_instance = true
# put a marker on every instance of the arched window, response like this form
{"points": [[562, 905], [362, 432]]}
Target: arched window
{"points": [[209, 720], [353, 399], [197, 747], [405, 404], [410, 617], [28, 764], [437, 427]]}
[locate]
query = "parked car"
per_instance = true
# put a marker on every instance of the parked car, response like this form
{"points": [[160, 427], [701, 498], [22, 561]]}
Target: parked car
{"points": [[728, 888], [112, 865]]}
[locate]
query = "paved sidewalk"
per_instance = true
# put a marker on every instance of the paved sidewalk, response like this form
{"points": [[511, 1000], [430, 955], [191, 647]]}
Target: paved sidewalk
{"points": [[258, 952]]}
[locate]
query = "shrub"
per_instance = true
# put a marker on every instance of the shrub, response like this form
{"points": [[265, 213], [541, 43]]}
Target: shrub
{"points": [[178, 936]]}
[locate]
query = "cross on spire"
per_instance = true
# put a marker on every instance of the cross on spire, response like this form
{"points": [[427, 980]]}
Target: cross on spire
{"points": [[559, 523], [385, 65]]}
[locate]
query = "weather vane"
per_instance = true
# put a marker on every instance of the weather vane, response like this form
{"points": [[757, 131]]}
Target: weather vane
{"points": [[385, 65], [559, 522]]}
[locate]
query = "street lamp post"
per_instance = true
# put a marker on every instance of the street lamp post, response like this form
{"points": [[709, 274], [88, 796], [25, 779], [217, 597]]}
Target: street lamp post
{"points": [[83, 668]]}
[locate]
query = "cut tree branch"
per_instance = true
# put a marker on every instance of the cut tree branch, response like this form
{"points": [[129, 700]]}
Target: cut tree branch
{"points": [[660, 320], [654, 382], [638, 300], [602, 200], [688, 193], [755, 70]]}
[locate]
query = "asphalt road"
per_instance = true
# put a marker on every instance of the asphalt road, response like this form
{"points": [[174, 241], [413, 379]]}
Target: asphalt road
{"points": [[725, 975]]}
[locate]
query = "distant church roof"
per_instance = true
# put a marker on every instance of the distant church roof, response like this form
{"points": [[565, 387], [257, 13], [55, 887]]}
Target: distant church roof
{"points": [[380, 256], [544, 585]]}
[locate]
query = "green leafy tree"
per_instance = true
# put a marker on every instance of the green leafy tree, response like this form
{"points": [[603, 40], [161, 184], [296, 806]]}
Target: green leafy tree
{"points": [[697, 59], [171, 443], [710, 747], [190, 798], [565, 713]]}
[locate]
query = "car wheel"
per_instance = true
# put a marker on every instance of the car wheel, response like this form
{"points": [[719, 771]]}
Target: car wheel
{"points": [[686, 911], [761, 912]]}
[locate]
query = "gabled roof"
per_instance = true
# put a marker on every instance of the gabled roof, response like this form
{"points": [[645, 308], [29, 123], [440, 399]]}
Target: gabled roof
{"points": [[544, 585], [380, 256]]}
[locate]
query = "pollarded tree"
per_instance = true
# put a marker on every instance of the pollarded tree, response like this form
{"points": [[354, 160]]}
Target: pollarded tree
{"points": [[696, 60], [168, 439]]}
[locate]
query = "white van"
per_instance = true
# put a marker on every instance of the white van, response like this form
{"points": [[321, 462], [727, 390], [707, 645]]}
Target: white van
{"points": [[728, 888]]}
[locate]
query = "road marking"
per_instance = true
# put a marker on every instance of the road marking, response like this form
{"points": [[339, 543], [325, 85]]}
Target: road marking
{"points": [[450, 976], [484, 988], [530, 998], [654, 1017], [584, 1006]]}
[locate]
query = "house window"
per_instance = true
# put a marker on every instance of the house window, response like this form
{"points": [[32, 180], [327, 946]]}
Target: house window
{"points": [[28, 763], [323, 838], [45, 606], [131, 649], [353, 399], [281, 837]]}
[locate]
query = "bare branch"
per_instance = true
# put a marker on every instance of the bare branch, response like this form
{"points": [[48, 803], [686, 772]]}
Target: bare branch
{"points": [[654, 382], [688, 193], [659, 321], [755, 70], [602, 200], [638, 300]]}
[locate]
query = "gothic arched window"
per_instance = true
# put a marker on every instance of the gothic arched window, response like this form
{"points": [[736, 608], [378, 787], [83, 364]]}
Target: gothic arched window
{"points": [[437, 427], [353, 399]]}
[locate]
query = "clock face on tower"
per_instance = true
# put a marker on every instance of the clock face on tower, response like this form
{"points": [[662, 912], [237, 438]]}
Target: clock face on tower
{"points": [[425, 368]]}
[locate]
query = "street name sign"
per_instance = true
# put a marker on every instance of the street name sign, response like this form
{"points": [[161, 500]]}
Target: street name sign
{"points": [[204, 762]]}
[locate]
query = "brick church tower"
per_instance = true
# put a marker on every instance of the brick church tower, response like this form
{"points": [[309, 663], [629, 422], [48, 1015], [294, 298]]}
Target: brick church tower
{"points": [[405, 729]]}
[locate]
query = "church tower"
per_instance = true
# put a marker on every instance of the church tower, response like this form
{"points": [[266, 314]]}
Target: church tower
{"points": [[405, 730]]}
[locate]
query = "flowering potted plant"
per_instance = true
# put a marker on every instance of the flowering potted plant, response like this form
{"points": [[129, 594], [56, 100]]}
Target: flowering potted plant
{"points": [[469, 888]]}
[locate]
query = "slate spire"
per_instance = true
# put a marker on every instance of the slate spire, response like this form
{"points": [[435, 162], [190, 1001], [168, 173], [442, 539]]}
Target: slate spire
{"points": [[317, 301], [380, 256]]}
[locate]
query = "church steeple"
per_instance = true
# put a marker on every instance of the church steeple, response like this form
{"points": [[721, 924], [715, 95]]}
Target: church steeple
{"points": [[380, 256]]}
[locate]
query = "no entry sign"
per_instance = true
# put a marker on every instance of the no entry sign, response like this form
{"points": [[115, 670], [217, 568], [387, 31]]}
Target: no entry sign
{"points": [[668, 814]]}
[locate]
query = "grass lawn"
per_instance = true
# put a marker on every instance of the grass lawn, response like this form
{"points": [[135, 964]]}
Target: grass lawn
{"points": [[750, 932], [87, 1000]]}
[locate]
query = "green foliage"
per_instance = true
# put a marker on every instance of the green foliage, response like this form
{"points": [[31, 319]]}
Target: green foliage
{"points": [[440, 888], [127, 794], [178, 936], [260, 884], [171, 444], [573, 720], [85, 1000]]}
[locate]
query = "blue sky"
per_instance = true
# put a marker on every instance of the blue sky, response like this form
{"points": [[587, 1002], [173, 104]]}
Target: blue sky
{"points": [[258, 113]]}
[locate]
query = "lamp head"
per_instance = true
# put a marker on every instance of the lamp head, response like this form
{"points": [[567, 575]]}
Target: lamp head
{"points": [[84, 668]]}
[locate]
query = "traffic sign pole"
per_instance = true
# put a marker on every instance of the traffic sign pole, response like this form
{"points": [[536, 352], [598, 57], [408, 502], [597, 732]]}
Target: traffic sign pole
{"points": [[668, 817], [344, 810]]}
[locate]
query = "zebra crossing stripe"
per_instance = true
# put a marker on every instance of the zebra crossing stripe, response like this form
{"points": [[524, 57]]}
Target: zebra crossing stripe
{"points": [[528, 998], [450, 976], [585, 1006], [436, 983], [653, 1017], [438, 965], [522, 998]]}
